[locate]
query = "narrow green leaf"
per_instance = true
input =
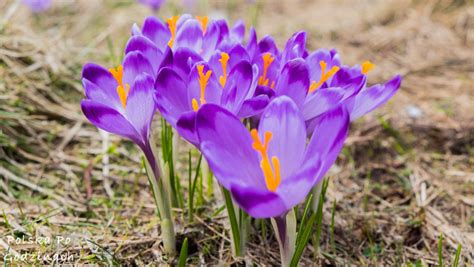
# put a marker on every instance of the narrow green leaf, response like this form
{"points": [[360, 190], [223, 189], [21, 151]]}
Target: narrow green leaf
{"points": [[305, 213], [332, 240], [183, 255], [192, 188], [303, 240], [233, 220], [458, 256], [319, 221], [154, 188]]}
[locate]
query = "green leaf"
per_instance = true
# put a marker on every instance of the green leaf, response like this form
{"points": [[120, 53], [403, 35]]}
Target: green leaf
{"points": [[183, 255], [305, 213], [457, 257], [233, 220], [192, 185]]}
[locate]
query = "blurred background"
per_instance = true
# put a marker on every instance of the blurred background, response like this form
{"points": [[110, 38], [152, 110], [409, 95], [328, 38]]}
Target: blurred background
{"points": [[405, 178]]}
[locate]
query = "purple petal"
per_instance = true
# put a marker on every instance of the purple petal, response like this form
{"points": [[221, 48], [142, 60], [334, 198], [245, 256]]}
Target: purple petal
{"points": [[237, 86], [258, 203], [252, 43], [97, 94], [327, 140], [135, 64], [314, 59], [190, 35], [157, 31], [171, 95], [186, 127], [184, 59], [294, 81], [253, 106], [284, 120], [140, 104], [227, 146], [323, 149], [321, 101], [237, 33], [110, 120], [103, 81], [147, 48], [371, 98], [213, 90], [267, 44], [295, 47], [210, 40]]}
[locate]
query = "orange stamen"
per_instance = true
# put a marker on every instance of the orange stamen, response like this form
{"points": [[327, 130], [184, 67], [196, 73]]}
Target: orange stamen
{"points": [[203, 20], [172, 26], [367, 66], [121, 90], [324, 76], [224, 59], [267, 61], [270, 173], [203, 79]]}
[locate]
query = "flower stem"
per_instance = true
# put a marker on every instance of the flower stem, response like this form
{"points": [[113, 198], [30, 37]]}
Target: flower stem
{"points": [[162, 200], [285, 231]]}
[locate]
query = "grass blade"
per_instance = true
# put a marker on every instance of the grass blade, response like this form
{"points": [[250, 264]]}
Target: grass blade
{"points": [[307, 207], [192, 185], [331, 229], [183, 255], [233, 221], [458, 256]]}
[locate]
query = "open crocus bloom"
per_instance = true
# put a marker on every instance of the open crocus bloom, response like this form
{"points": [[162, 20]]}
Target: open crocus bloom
{"points": [[180, 95], [316, 81], [120, 100], [198, 34], [271, 169]]}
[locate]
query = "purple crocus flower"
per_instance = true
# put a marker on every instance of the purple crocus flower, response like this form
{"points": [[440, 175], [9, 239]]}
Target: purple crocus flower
{"points": [[198, 34], [120, 100], [271, 169], [37, 6], [155, 5], [316, 81], [186, 83]]}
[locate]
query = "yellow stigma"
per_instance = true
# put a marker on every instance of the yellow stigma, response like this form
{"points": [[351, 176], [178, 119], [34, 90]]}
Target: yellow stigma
{"points": [[203, 79], [367, 66], [324, 76], [203, 20], [121, 90], [172, 26], [224, 59], [267, 61], [271, 170]]}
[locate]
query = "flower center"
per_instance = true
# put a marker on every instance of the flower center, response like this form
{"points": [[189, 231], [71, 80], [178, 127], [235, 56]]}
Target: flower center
{"points": [[203, 20], [121, 90], [267, 61], [367, 66], [324, 76], [203, 79], [271, 170], [172, 26], [224, 59]]}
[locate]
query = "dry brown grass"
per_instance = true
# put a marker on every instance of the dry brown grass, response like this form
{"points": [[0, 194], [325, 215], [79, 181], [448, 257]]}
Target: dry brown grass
{"points": [[405, 177]]}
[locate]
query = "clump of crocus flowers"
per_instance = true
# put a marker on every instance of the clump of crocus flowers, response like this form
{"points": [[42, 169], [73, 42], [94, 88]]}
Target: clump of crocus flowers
{"points": [[269, 122]]}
